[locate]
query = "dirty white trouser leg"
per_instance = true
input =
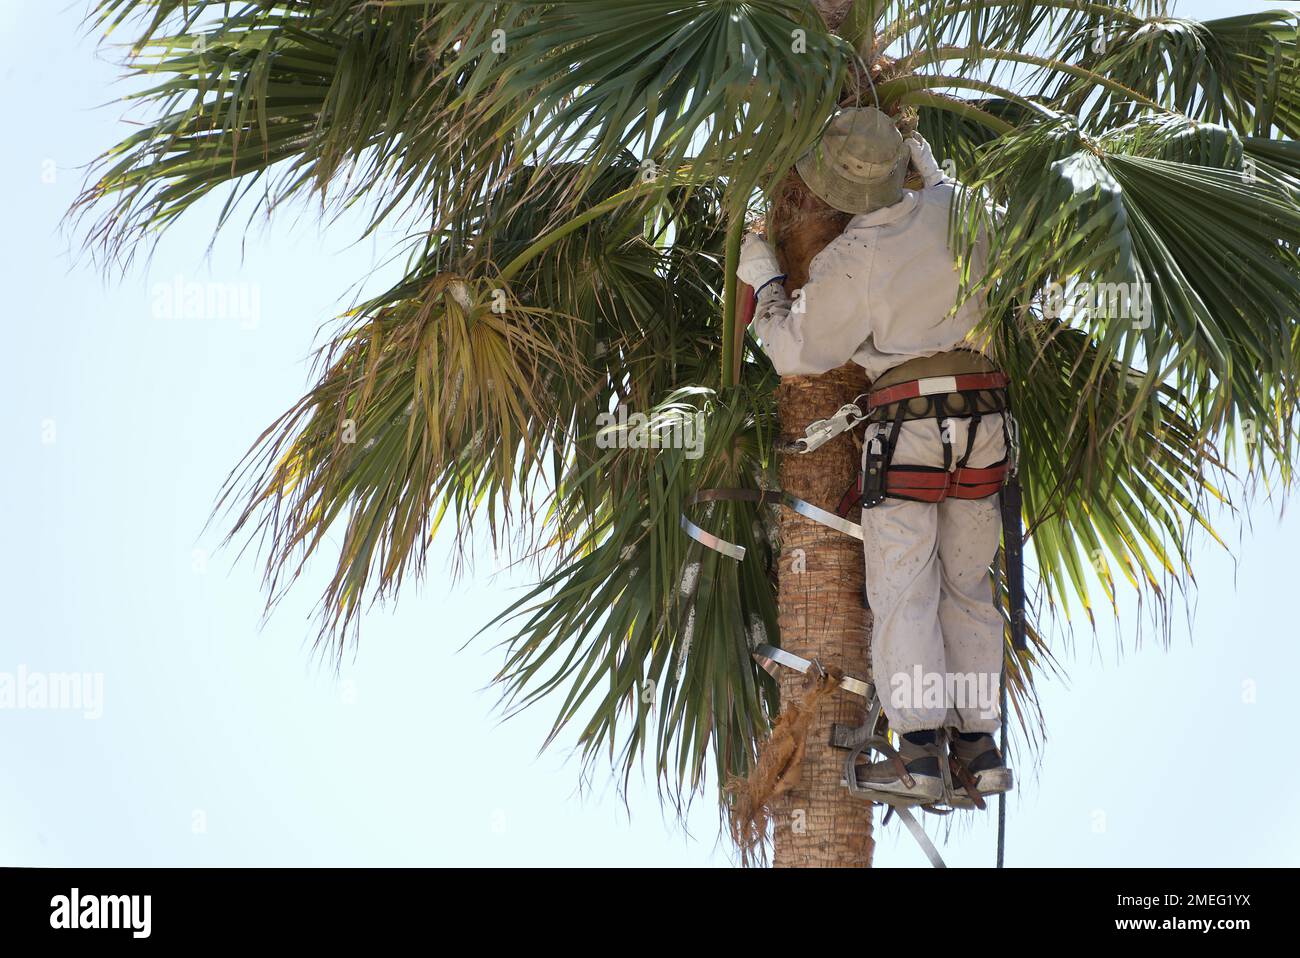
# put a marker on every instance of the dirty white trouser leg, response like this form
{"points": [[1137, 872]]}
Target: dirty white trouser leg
{"points": [[936, 645]]}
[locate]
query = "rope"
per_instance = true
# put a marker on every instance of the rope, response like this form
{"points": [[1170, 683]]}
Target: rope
{"points": [[1002, 747]]}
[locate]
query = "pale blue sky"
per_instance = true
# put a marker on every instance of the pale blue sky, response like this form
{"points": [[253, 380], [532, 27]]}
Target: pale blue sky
{"points": [[209, 719]]}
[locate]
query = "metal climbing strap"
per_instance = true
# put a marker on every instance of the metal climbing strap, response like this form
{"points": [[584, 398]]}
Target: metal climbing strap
{"points": [[857, 741]]}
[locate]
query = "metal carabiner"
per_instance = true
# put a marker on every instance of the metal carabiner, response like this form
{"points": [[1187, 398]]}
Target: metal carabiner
{"points": [[822, 431]]}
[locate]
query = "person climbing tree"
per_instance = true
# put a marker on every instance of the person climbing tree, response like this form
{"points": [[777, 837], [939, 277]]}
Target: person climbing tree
{"points": [[887, 294]]}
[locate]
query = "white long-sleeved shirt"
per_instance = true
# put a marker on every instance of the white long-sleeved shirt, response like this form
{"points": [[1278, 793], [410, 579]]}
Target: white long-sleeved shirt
{"points": [[880, 293]]}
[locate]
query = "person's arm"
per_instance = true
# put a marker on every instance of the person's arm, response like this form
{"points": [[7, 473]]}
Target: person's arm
{"points": [[820, 329], [937, 182], [925, 163]]}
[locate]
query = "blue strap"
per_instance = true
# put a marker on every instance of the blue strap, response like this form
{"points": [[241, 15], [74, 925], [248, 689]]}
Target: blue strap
{"points": [[774, 279]]}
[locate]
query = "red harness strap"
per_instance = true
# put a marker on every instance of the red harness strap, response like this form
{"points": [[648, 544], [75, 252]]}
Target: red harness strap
{"points": [[930, 484], [852, 497], [933, 385]]}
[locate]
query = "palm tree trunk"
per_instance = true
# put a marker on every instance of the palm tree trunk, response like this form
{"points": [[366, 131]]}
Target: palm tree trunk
{"points": [[821, 575]]}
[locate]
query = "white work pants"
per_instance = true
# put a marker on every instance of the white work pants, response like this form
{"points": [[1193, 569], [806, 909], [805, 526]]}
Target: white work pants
{"points": [[937, 642]]}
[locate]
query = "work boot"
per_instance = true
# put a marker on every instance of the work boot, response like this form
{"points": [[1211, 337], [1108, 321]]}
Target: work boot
{"points": [[918, 761], [977, 754]]}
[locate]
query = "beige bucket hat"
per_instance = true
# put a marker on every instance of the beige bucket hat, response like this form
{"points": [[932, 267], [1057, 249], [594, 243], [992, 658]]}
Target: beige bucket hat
{"points": [[859, 163]]}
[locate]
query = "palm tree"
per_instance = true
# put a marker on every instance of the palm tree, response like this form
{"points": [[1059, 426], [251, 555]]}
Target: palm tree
{"points": [[582, 172]]}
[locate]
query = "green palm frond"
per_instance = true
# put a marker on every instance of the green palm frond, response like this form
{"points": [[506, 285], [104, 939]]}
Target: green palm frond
{"points": [[431, 398], [637, 620], [449, 392], [958, 136], [1208, 245], [1105, 504], [745, 87], [1237, 71], [272, 94]]}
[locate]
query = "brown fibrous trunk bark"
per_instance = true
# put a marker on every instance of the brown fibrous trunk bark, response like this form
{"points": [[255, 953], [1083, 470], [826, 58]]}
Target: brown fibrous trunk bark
{"points": [[821, 574]]}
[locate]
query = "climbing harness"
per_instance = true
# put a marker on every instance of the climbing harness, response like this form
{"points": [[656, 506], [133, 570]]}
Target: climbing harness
{"points": [[956, 384], [971, 390]]}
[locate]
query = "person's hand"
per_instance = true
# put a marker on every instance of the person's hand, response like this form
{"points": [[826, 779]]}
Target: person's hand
{"points": [[758, 262], [923, 159]]}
